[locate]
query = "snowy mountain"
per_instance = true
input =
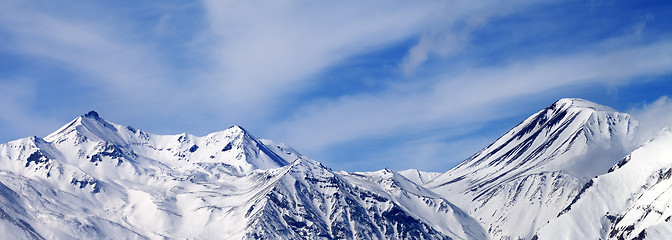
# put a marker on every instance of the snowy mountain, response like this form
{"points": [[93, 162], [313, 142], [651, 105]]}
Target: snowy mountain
{"points": [[311, 201], [92, 179], [571, 171], [536, 169], [419, 177], [632, 201]]}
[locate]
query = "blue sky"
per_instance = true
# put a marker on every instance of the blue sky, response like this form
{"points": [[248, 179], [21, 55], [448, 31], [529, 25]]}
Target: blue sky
{"points": [[357, 85]]}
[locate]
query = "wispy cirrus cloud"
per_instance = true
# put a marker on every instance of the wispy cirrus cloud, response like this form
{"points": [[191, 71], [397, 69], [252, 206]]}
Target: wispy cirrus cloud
{"points": [[477, 95], [261, 52], [84, 46], [244, 58], [353, 117], [99, 55], [270, 50], [198, 67], [451, 32]]}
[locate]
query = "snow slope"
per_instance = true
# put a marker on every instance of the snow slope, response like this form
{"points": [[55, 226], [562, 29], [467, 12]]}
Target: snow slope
{"points": [[310, 201], [419, 177], [92, 179], [632, 201], [535, 170]]}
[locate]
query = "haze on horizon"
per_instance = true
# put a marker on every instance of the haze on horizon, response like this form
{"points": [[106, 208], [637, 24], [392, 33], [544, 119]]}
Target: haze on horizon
{"points": [[359, 86]]}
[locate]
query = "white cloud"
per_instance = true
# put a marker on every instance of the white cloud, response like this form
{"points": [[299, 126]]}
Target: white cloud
{"points": [[102, 54], [82, 46], [264, 51], [254, 55], [476, 95], [451, 31], [653, 118], [430, 44]]}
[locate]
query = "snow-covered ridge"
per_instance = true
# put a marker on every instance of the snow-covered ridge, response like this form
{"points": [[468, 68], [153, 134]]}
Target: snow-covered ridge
{"points": [[93, 179], [568, 171], [419, 177], [580, 103], [235, 147], [533, 171], [630, 202]]}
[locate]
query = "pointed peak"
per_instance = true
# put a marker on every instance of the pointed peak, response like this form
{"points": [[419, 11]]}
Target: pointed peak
{"points": [[37, 139], [92, 114], [238, 128], [306, 164], [90, 126], [579, 103]]}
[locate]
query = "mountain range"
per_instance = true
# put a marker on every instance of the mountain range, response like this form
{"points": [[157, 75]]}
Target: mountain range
{"points": [[574, 170]]}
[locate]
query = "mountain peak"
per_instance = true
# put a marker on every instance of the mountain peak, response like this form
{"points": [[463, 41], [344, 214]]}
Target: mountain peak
{"points": [[92, 114], [579, 103], [550, 155], [544, 136], [88, 126], [238, 129]]}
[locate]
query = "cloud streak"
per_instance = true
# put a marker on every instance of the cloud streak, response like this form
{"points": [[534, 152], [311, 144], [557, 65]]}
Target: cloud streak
{"points": [[202, 67], [120, 68], [269, 50], [451, 101]]}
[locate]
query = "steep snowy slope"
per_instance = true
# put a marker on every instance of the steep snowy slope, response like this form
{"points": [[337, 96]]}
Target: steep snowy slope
{"points": [[632, 201], [532, 172], [93, 179], [419, 202], [419, 177], [311, 201]]}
